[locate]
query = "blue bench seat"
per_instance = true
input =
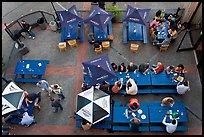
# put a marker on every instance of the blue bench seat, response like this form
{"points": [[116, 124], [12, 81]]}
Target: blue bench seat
{"points": [[97, 125], [127, 128], [163, 128], [27, 79], [164, 91]]}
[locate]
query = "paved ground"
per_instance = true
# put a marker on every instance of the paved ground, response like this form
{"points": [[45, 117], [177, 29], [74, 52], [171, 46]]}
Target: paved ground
{"points": [[65, 68]]}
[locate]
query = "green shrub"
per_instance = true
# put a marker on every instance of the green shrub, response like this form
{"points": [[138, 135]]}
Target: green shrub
{"points": [[117, 14]]}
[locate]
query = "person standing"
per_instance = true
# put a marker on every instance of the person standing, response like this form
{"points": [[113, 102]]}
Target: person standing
{"points": [[57, 90], [27, 28], [56, 103], [170, 127], [44, 86]]}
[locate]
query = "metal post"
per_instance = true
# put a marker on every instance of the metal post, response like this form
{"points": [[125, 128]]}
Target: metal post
{"points": [[43, 16], [55, 11], [9, 32]]}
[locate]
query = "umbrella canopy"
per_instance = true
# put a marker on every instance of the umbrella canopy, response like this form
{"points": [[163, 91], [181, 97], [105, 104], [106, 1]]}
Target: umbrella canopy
{"points": [[136, 15], [99, 69], [99, 18], [93, 105], [12, 98], [70, 15]]}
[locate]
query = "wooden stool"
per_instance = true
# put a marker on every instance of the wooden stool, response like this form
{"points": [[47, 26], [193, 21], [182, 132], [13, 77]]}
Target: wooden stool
{"points": [[105, 44], [164, 48], [98, 50], [62, 46], [72, 43], [134, 47]]}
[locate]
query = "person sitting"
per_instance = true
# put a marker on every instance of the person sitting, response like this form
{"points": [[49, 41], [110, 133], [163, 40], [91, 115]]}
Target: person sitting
{"points": [[114, 66], [152, 29], [84, 86], [27, 28], [166, 41], [104, 86], [91, 35], [144, 68], [170, 69], [131, 67], [30, 97], [131, 87], [134, 124], [122, 68], [156, 22], [167, 101], [85, 124], [159, 68], [27, 120], [57, 89], [117, 86], [173, 34], [133, 105], [183, 87], [180, 69], [153, 38], [96, 45], [170, 127]]}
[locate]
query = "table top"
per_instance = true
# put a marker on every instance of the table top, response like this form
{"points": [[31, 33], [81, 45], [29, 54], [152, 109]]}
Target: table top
{"points": [[135, 31], [70, 31], [100, 35], [119, 114], [162, 79], [157, 113], [139, 77], [162, 34], [31, 67]]}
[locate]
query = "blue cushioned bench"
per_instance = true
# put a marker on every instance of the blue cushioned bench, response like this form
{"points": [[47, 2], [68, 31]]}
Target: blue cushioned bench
{"points": [[164, 91], [127, 128], [140, 91], [155, 104], [97, 125], [163, 128], [27, 79]]}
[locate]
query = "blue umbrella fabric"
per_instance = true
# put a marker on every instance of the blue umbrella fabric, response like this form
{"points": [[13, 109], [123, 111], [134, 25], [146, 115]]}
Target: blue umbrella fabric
{"points": [[99, 70], [136, 15], [99, 18], [67, 16]]}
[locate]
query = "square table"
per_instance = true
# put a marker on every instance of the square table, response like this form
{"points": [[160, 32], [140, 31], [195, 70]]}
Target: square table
{"points": [[119, 114], [30, 67], [100, 35], [70, 31]]}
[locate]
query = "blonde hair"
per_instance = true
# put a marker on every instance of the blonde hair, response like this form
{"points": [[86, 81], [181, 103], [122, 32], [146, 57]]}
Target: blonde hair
{"points": [[159, 63]]}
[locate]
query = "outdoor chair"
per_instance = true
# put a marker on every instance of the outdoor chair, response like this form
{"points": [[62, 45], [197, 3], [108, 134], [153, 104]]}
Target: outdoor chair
{"points": [[105, 44], [134, 47], [164, 48], [72, 43], [62, 46], [98, 50]]}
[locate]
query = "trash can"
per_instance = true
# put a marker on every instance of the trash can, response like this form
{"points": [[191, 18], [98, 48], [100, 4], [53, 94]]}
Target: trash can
{"points": [[53, 25], [22, 48], [41, 23]]}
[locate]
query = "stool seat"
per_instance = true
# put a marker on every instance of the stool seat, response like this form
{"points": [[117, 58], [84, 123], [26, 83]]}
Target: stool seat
{"points": [[105, 44], [134, 47], [98, 50], [164, 48], [72, 43], [62, 46]]}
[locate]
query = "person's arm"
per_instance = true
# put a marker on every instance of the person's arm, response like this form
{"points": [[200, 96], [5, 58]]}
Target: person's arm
{"points": [[164, 120]]}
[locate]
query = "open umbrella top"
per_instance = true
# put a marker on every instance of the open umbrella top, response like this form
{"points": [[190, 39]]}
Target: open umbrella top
{"points": [[136, 15], [99, 69], [93, 105], [12, 98], [70, 15], [99, 18]]}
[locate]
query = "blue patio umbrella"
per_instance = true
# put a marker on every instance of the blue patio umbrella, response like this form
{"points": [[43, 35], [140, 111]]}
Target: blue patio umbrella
{"points": [[67, 16], [99, 70], [99, 18], [136, 15]]}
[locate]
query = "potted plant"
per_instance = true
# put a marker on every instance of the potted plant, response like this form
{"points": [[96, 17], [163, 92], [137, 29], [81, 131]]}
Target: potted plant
{"points": [[117, 14]]}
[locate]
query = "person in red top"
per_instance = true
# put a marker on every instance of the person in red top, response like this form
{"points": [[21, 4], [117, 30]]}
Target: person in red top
{"points": [[159, 68], [133, 105]]}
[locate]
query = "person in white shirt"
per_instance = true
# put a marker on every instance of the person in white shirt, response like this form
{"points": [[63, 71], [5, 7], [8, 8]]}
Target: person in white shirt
{"points": [[183, 88], [131, 87], [170, 127]]}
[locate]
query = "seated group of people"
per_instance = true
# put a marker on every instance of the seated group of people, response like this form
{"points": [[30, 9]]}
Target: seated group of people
{"points": [[160, 21]]}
